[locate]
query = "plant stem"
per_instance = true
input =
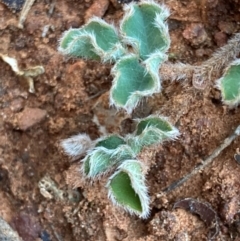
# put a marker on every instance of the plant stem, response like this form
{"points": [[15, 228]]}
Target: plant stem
{"points": [[200, 74]]}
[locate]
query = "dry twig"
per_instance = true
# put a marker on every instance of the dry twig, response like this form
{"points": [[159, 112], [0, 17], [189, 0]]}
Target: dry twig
{"points": [[205, 163]]}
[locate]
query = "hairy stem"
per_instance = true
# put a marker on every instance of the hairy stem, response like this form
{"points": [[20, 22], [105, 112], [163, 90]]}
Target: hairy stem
{"points": [[200, 74], [175, 72]]}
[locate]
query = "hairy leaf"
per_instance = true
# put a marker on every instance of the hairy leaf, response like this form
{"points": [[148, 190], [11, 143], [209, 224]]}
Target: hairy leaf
{"points": [[134, 80], [151, 130], [229, 84], [97, 162], [127, 188], [110, 142], [96, 40], [143, 27], [124, 193]]}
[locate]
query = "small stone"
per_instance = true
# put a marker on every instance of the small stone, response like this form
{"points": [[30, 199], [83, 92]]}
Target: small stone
{"points": [[98, 8], [212, 3], [7, 233], [45, 236], [227, 27], [17, 105], [195, 33], [20, 43], [45, 40], [27, 225], [220, 39], [237, 158], [203, 52], [73, 23], [30, 117]]}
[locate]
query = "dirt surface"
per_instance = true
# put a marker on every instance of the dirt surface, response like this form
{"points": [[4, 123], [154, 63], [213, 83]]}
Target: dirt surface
{"points": [[42, 195]]}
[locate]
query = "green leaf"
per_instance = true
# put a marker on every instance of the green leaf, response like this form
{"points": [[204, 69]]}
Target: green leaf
{"points": [[127, 188], [110, 142], [151, 130], [68, 37], [123, 152], [156, 122], [78, 45], [134, 80], [124, 193], [86, 165], [106, 34], [109, 152], [97, 162], [229, 84], [97, 39], [143, 27], [131, 77]]}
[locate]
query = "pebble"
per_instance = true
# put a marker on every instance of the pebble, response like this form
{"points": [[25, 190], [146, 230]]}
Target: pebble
{"points": [[45, 236], [27, 225], [237, 156], [201, 52], [227, 27], [17, 104], [30, 117], [20, 43], [220, 39], [7, 233], [212, 3], [98, 8], [195, 33]]}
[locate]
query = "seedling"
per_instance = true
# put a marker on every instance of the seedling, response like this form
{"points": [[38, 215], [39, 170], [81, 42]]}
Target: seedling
{"points": [[117, 154], [137, 48]]}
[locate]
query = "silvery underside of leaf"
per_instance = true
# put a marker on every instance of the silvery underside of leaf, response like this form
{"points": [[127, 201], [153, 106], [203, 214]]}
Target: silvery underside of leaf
{"points": [[77, 145]]}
